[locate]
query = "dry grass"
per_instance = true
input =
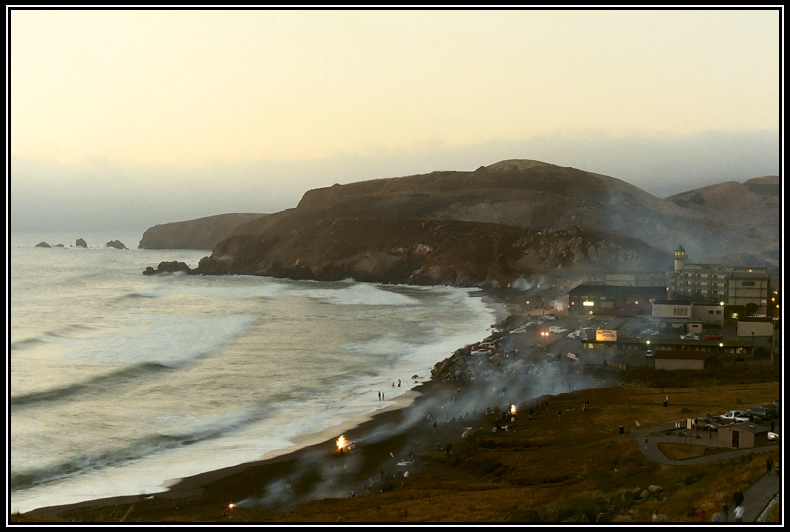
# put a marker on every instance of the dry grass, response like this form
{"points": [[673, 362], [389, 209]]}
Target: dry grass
{"points": [[577, 469], [571, 470]]}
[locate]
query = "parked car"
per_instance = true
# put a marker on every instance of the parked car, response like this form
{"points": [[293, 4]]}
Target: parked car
{"points": [[735, 416], [771, 408], [706, 423], [557, 330], [758, 413], [772, 436]]}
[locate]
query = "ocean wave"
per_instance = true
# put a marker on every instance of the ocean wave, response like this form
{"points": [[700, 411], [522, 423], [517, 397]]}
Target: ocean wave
{"points": [[24, 478], [103, 382], [360, 294], [56, 336]]}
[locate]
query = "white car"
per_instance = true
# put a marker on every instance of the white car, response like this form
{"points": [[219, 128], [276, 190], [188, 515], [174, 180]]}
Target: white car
{"points": [[772, 436], [735, 415], [557, 330]]}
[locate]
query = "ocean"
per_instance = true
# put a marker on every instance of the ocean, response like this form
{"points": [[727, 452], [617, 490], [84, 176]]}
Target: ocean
{"points": [[120, 383]]}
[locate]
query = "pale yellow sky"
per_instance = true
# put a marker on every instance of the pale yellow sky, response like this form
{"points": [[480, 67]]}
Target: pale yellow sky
{"points": [[187, 87], [244, 111]]}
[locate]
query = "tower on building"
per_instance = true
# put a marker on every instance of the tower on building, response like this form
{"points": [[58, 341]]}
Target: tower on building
{"points": [[680, 258]]}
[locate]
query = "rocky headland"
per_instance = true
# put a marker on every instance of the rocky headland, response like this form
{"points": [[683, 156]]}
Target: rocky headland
{"points": [[490, 227], [201, 233]]}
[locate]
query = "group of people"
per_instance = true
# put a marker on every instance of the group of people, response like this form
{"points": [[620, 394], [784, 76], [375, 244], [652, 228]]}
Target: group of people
{"points": [[724, 515]]}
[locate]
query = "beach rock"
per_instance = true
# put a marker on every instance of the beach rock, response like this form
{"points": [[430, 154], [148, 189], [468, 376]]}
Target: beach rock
{"points": [[43, 245], [168, 267], [81, 243], [117, 244], [59, 246]]}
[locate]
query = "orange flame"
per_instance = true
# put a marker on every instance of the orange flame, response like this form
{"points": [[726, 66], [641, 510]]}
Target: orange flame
{"points": [[513, 409], [341, 442]]}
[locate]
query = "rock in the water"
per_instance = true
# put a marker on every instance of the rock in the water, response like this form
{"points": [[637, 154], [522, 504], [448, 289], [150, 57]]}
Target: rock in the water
{"points": [[168, 267], [117, 244], [81, 243], [43, 245]]}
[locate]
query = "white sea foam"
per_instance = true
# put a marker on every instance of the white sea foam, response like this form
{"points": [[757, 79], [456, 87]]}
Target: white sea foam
{"points": [[239, 367]]}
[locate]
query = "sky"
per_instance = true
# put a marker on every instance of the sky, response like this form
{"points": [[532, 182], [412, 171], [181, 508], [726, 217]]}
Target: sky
{"points": [[127, 118]]}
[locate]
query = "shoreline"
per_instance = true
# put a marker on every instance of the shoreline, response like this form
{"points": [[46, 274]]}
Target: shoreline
{"points": [[234, 482], [303, 445]]}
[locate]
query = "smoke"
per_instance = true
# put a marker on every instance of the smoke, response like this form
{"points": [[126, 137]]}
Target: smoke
{"points": [[521, 284], [326, 473]]}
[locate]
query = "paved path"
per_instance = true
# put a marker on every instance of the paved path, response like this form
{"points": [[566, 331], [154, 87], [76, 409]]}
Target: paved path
{"points": [[755, 499]]}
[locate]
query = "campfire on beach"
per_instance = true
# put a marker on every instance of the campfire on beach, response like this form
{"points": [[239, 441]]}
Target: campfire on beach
{"points": [[341, 443], [513, 410]]}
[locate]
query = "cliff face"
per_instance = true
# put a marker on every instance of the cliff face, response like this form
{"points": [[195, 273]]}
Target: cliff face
{"points": [[536, 195], [427, 252], [202, 233], [490, 227]]}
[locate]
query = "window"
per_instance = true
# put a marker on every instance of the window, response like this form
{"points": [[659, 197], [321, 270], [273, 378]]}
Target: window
{"points": [[747, 283], [681, 311]]}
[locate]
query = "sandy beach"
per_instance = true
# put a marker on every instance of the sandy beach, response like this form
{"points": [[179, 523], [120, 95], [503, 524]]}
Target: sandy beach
{"points": [[409, 447], [314, 469]]}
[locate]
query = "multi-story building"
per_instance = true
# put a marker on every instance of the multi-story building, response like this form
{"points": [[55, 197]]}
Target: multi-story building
{"points": [[633, 278], [732, 285]]}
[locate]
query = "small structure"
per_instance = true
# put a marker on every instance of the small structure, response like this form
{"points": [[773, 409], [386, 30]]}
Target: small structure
{"points": [[679, 359], [742, 435], [756, 326]]}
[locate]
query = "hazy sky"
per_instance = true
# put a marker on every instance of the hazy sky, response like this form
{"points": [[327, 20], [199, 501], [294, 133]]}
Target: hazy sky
{"points": [[130, 118]]}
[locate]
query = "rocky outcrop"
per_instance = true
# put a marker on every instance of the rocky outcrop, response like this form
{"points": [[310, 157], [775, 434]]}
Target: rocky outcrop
{"points": [[490, 227], [43, 245], [117, 244], [537, 195], [81, 243], [425, 252], [168, 267], [202, 233]]}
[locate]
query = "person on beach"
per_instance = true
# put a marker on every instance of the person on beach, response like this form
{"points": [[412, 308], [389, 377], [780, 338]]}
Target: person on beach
{"points": [[769, 464], [739, 513], [398, 383], [646, 443]]}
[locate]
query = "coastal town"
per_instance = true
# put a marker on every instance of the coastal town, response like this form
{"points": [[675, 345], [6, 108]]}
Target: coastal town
{"points": [[631, 393]]}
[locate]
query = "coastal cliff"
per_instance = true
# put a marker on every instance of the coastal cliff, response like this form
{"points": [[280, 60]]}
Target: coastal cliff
{"points": [[489, 227], [201, 233], [425, 252]]}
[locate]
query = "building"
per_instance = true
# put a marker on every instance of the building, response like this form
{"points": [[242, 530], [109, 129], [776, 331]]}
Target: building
{"points": [[708, 312], [742, 435], [731, 285], [679, 359], [594, 297], [633, 278], [749, 327], [670, 310], [705, 312]]}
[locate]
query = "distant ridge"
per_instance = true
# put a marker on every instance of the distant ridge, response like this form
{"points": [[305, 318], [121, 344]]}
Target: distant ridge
{"points": [[201, 233], [398, 229]]}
